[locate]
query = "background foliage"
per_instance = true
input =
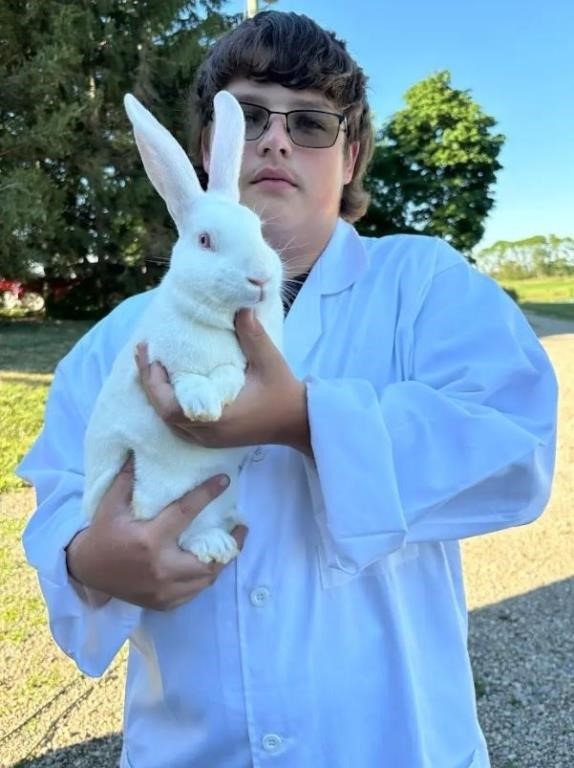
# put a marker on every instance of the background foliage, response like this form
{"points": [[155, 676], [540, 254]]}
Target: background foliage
{"points": [[435, 166], [73, 194]]}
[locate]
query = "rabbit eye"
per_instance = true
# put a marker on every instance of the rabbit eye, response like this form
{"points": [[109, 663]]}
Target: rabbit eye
{"points": [[205, 240]]}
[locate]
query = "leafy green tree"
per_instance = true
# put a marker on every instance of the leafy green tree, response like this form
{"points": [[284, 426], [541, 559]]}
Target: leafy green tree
{"points": [[73, 194], [434, 166]]}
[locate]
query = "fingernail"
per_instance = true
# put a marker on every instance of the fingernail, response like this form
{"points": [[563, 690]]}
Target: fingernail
{"points": [[128, 464], [223, 481]]}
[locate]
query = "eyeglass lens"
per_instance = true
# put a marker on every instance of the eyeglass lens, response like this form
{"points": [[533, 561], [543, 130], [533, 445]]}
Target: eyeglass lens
{"points": [[307, 128]]}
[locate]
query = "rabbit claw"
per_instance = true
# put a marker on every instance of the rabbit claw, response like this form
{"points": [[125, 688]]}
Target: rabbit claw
{"points": [[213, 544]]}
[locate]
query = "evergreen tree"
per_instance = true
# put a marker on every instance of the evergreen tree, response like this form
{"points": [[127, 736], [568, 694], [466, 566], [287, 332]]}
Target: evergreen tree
{"points": [[434, 166], [73, 194]]}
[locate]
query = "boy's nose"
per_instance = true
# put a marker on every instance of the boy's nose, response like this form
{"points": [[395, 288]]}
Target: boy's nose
{"points": [[276, 135]]}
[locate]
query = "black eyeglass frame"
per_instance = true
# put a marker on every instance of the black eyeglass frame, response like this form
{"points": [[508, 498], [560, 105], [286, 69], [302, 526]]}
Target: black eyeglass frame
{"points": [[341, 117]]}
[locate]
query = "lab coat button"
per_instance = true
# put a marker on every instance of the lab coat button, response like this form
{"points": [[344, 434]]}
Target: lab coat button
{"points": [[259, 596], [258, 454], [271, 742]]}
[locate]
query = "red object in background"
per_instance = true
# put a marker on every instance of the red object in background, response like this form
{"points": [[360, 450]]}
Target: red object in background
{"points": [[18, 288], [12, 286], [15, 293]]}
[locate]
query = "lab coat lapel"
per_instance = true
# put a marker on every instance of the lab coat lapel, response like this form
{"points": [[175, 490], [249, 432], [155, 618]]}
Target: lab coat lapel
{"points": [[343, 259]]}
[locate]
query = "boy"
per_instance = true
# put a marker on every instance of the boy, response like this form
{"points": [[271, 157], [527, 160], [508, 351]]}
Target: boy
{"points": [[414, 406]]}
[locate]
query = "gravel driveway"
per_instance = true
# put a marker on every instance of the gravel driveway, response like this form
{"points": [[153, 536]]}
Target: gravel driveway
{"points": [[520, 592]]}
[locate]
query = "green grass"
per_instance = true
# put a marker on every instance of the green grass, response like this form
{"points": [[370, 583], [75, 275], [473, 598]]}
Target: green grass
{"points": [[552, 296], [545, 290], [30, 352], [22, 401], [21, 611]]}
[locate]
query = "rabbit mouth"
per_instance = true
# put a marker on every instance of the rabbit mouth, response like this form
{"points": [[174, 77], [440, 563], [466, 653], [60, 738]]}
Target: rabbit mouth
{"points": [[255, 294]]}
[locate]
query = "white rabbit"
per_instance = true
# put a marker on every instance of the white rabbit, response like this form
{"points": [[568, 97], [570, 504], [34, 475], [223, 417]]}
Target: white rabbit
{"points": [[219, 264]]}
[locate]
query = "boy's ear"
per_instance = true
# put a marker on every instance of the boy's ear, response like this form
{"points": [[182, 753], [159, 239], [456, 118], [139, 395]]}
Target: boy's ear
{"points": [[350, 160]]}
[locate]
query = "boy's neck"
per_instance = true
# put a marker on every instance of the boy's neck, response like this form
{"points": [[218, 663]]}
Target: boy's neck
{"points": [[299, 250]]}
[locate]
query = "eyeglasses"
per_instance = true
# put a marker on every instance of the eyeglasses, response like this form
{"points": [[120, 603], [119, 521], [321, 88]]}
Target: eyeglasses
{"points": [[312, 128]]}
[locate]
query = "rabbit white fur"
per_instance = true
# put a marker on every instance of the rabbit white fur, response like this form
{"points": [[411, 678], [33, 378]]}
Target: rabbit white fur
{"points": [[189, 328]]}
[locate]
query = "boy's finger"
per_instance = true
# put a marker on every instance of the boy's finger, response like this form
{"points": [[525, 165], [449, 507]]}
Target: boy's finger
{"points": [[118, 497], [128, 465], [175, 518], [239, 533]]}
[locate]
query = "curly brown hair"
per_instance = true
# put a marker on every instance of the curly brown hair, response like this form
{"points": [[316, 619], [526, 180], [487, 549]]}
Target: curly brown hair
{"points": [[294, 51]]}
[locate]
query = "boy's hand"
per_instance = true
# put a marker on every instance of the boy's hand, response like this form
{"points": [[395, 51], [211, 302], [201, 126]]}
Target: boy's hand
{"points": [[140, 561], [271, 407]]}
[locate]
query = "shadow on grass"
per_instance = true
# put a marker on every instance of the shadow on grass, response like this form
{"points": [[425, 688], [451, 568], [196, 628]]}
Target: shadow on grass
{"points": [[35, 345], [522, 651], [560, 310], [546, 325]]}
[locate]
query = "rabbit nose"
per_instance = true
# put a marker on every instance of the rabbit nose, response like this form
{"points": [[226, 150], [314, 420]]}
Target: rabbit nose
{"points": [[258, 283]]}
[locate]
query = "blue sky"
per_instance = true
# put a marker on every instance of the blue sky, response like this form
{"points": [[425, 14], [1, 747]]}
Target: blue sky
{"points": [[517, 59]]}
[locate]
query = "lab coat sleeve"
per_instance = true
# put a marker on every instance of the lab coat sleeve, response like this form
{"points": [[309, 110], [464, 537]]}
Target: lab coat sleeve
{"points": [[90, 636], [465, 446]]}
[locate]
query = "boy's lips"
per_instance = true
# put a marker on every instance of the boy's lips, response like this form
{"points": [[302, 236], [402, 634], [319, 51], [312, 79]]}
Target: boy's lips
{"points": [[273, 175]]}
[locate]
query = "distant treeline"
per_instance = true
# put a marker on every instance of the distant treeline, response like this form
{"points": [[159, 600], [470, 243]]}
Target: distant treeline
{"points": [[538, 256]]}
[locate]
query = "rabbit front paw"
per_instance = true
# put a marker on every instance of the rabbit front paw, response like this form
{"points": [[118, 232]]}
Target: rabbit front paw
{"points": [[199, 399], [229, 380], [213, 544]]}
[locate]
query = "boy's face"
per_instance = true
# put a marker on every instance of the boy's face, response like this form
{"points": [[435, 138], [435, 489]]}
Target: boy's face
{"points": [[308, 202]]}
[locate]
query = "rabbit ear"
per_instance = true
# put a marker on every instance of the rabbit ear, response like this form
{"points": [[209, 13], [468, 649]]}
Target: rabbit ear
{"points": [[226, 146], [165, 161]]}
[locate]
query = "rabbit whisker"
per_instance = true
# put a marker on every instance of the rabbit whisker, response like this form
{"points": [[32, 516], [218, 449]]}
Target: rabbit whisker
{"points": [[291, 245], [267, 221]]}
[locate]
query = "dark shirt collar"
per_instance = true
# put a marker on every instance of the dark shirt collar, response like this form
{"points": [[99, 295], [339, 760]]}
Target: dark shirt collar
{"points": [[291, 288]]}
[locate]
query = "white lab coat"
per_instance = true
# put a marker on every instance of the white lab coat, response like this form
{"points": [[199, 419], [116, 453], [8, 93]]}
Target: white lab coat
{"points": [[338, 636]]}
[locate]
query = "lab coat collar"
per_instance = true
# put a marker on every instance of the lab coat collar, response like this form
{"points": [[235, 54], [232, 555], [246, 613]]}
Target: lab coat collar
{"points": [[336, 269]]}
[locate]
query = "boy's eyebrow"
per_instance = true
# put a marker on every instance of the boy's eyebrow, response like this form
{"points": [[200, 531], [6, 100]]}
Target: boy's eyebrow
{"points": [[316, 102]]}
